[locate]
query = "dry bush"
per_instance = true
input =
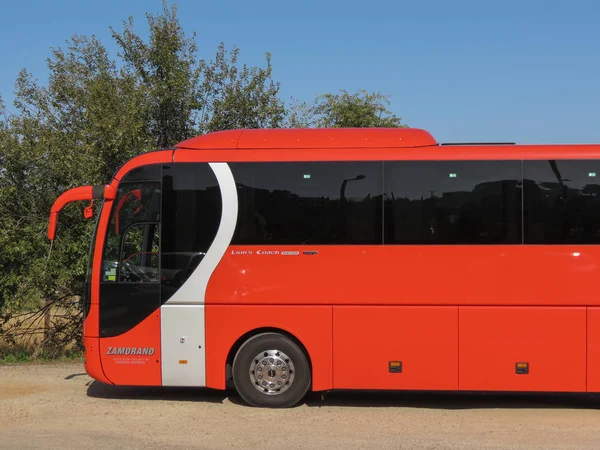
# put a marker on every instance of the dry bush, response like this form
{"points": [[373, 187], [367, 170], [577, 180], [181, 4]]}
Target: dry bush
{"points": [[49, 332]]}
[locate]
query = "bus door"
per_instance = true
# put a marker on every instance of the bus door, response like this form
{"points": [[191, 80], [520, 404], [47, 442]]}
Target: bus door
{"points": [[130, 283]]}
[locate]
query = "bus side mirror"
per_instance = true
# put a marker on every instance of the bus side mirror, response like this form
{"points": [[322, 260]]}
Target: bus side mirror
{"points": [[78, 194], [88, 212]]}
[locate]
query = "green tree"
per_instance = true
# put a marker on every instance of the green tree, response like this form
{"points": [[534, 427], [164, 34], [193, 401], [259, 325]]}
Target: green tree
{"points": [[167, 73], [239, 97], [359, 110], [95, 112]]}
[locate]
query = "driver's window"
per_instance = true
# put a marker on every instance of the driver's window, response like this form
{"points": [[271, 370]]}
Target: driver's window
{"points": [[139, 260], [131, 246]]}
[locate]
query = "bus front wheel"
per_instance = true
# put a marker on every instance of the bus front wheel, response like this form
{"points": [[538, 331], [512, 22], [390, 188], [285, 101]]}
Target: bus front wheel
{"points": [[271, 370]]}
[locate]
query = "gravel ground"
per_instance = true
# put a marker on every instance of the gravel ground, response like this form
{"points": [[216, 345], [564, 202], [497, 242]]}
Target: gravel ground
{"points": [[58, 406]]}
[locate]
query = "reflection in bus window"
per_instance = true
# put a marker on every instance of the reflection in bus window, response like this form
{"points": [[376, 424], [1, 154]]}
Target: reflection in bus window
{"points": [[139, 255], [452, 202], [136, 202], [309, 202], [562, 202], [191, 211]]}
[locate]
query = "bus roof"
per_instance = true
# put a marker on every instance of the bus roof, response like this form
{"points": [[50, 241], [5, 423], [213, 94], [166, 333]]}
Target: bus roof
{"points": [[338, 144], [299, 138]]}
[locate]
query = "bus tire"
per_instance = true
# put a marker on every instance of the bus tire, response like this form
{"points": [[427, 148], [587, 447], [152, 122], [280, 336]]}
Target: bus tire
{"points": [[271, 370]]}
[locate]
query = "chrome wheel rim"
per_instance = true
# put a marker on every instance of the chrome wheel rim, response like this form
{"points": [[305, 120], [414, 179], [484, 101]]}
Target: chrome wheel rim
{"points": [[272, 372]]}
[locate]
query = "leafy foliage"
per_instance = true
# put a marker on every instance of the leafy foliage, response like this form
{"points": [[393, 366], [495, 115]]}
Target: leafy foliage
{"points": [[167, 74], [245, 97], [359, 110], [95, 112]]}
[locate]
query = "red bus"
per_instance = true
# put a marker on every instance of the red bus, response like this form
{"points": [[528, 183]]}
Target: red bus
{"points": [[283, 261]]}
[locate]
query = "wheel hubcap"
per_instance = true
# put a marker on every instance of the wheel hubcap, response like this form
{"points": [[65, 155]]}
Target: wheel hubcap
{"points": [[272, 372]]}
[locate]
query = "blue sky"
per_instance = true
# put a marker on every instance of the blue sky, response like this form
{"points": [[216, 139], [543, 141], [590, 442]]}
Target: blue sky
{"points": [[525, 71]]}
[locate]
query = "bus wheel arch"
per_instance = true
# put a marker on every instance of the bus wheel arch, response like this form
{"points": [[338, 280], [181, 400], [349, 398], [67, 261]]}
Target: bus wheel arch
{"points": [[255, 332]]}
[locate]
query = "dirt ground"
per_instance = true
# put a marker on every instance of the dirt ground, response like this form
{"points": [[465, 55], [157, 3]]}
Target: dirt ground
{"points": [[58, 406]]}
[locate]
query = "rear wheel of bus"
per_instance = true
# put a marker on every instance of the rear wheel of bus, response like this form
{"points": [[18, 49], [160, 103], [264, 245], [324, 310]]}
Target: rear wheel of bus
{"points": [[271, 370]]}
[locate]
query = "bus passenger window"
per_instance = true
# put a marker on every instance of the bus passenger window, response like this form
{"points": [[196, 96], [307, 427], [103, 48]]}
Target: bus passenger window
{"points": [[452, 202], [191, 211], [561, 202], [309, 203]]}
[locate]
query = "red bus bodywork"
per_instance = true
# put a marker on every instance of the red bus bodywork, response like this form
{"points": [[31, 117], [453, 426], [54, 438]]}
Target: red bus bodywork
{"points": [[457, 317]]}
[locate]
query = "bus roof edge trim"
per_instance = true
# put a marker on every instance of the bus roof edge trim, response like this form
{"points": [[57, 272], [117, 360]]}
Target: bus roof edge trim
{"points": [[299, 138]]}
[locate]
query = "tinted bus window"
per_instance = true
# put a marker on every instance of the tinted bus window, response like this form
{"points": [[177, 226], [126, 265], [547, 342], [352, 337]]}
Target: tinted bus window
{"points": [[129, 288], [452, 202], [131, 230], [191, 213], [309, 203], [562, 202]]}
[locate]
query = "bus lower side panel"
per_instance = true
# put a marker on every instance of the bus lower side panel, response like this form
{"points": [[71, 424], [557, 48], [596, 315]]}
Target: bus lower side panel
{"points": [[522, 349], [134, 357], [395, 347], [310, 325], [93, 359], [388, 347], [464, 348], [593, 349]]}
